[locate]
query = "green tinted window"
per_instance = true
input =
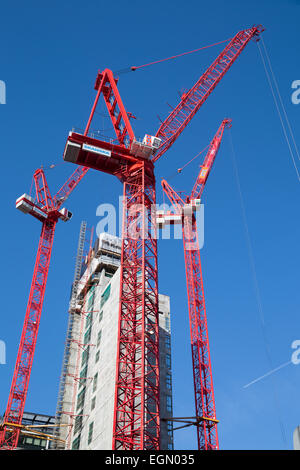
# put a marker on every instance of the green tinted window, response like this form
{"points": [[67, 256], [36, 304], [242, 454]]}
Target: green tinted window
{"points": [[90, 436], [87, 335], [99, 338], [105, 296], [76, 443], [95, 382], [85, 356], [97, 356], [78, 423], [80, 398]]}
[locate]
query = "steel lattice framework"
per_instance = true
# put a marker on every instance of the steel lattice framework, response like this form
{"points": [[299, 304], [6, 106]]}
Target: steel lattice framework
{"points": [[79, 341], [206, 422], [136, 421], [207, 434], [19, 386], [46, 210]]}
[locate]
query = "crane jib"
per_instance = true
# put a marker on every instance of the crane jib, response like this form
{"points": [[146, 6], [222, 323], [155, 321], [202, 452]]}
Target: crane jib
{"points": [[191, 101]]}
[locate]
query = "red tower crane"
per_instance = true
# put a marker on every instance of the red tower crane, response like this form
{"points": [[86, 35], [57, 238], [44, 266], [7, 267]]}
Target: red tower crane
{"points": [[136, 412], [205, 420], [48, 211]]}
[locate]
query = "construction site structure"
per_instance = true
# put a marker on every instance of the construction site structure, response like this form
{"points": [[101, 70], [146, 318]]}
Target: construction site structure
{"points": [[97, 302], [36, 431], [66, 384], [47, 210], [184, 213], [137, 400], [78, 341]]}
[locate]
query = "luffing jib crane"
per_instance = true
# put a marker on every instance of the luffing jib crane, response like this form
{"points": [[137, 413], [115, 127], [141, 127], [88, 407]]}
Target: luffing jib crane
{"points": [[47, 210], [136, 410], [184, 213]]}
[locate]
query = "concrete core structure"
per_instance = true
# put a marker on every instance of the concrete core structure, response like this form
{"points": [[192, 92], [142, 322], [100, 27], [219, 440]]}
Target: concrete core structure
{"points": [[94, 318]]}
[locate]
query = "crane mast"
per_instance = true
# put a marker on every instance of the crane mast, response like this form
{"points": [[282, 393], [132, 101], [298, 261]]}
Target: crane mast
{"points": [[137, 400], [206, 422], [20, 381], [47, 210], [136, 410], [207, 434]]}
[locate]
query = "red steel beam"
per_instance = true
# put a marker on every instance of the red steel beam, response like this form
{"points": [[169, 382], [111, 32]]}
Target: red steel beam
{"points": [[19, 387], [20, 381], [136, 414], [207, 433], [71, 183], [209, 160], [106, 84]]}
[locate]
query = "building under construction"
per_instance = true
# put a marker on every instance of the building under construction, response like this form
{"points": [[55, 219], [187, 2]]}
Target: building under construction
{"points": [[37, 432], [85, 406]]}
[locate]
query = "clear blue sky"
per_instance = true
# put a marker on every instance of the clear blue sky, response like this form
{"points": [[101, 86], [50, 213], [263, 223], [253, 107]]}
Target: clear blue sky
{"points": [[50, 55]]}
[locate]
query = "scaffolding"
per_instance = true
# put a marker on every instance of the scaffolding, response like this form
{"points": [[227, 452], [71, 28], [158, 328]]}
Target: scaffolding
{"points": [[79, 345], [73, 336]]}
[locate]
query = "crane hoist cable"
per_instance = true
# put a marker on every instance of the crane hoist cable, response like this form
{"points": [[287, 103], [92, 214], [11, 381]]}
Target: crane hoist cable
{"points": [[180, 170], [133, 68], [280, 98], [256, 284], [270, 75]]}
